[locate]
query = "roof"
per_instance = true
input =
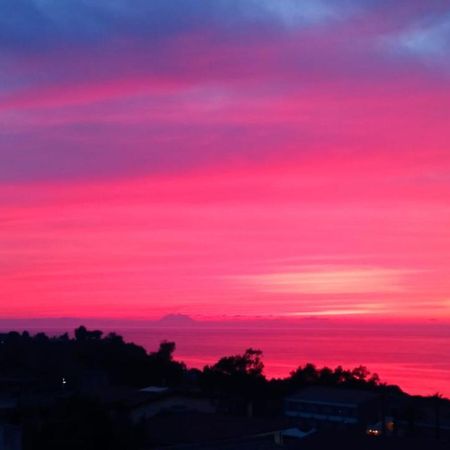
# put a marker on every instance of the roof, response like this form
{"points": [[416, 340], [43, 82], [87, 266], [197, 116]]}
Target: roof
{"points": [[297, 433], [129, 398], [156, 389], [197, 428], [329, 395]]}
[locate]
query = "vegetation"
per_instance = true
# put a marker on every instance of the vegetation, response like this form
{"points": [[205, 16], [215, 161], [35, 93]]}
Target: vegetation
{"points": [[62, 361]]}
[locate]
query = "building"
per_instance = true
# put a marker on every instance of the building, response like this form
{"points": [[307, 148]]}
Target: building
{"points": [[140, 405], [195, 430], [318, 407]]}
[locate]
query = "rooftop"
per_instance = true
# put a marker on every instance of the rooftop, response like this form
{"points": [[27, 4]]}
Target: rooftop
{"points": [[330, 395], [211, 429]]}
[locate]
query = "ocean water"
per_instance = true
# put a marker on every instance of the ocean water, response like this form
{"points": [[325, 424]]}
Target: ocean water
{"points": [[417, 359]]}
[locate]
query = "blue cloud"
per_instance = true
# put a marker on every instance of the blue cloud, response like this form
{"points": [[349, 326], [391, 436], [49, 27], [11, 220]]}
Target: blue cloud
{"points": [[428, 40], [34, 24]]}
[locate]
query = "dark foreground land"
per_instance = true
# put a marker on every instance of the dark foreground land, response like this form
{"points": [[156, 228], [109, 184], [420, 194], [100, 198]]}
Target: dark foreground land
{"points": [[95, 391]]}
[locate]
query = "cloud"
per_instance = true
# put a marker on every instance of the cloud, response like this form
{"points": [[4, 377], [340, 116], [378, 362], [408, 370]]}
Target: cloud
{"points": [[32, 24], [328, 281], [360, 309], [428, 40], [117, 88], [295, 12], [229, 242]]}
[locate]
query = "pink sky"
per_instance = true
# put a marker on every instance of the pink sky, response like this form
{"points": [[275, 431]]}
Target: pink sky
{"points": [[255, 158]]}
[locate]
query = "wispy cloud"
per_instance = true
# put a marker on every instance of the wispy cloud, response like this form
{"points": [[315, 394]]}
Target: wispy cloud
{"points": [[298, 12], [428, 39], [326, 280], [356, 310]]}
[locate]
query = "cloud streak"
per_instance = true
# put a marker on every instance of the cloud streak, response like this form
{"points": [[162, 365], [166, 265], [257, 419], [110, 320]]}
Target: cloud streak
{"points": [[326, 280]]}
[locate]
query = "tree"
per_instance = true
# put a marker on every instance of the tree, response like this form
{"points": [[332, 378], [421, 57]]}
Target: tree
{"points": [[166, 350], [239, 379], [248, 363], [162, 367], [306, 375], [82, 334]]}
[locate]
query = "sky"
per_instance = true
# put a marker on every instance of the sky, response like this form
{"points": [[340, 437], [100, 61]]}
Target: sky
{"points": [[226, 158]]}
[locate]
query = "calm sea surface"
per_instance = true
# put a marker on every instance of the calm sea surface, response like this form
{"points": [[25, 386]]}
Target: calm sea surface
{"points": [[416, 360]]}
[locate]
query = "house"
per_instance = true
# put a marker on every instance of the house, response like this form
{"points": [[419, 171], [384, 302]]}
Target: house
{"points": [[140, 405], [218, 431], [319, 406]]}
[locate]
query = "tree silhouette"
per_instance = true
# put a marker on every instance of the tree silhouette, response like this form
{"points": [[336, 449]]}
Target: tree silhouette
{"points": [[249, 363]]}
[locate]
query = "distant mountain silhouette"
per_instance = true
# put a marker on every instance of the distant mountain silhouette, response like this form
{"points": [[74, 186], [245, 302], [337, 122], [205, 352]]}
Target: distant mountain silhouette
{"points": [[179, 320]]}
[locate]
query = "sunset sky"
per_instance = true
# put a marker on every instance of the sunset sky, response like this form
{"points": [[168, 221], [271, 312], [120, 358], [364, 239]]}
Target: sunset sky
{"points": [[226, 157]]}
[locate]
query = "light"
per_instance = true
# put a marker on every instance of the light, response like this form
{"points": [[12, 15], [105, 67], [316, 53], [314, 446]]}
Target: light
{"points": [[373, 432], [64, 381]]}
